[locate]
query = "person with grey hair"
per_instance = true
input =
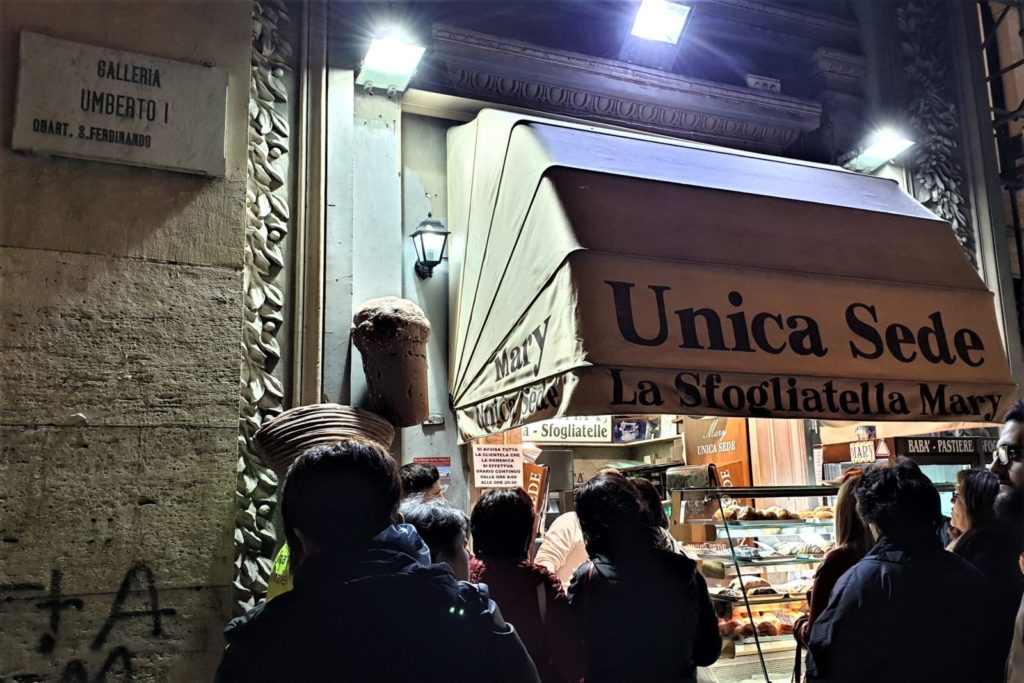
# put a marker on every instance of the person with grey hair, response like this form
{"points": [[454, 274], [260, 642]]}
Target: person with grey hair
{"points": [[444, 528]]}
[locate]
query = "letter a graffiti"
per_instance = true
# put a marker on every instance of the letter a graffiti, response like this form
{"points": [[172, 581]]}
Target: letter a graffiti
{"points": [[143, 575]]}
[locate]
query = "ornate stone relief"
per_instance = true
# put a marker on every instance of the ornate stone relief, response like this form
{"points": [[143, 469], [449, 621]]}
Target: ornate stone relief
{"points": [[936, 167], [838, 71], [511, 72], [267, 217]]}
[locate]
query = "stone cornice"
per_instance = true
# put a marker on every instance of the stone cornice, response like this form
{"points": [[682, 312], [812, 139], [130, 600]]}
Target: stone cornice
{"points": [[799, 22], [784, 30], [838, 71], [512, 72]]}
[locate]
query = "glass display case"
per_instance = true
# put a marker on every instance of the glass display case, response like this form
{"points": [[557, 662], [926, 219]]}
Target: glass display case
{"points": [[758, 549]]}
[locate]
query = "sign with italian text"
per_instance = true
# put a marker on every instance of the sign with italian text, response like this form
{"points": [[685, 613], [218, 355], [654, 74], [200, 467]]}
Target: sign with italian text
{"points": [[582, 429], [617, 274], [721, 441], [90, 102], [497, 467], [936, 445]]}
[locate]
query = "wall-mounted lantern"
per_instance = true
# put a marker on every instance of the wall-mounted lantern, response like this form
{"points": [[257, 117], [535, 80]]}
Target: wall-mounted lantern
{"points": [[430, 239]]}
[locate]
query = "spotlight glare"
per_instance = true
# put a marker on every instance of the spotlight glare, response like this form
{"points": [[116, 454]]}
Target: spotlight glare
{"points": [[882, 147], [660, 20], [390, 63], [886, 144]]}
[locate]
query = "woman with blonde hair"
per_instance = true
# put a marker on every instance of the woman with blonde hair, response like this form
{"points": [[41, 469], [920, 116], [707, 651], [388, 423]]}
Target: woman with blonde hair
{"points": [[853, 541]]}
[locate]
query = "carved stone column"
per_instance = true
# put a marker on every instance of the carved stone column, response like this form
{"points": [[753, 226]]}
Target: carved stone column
{"points": [[837, 78], [268, 199], [936, 164]]}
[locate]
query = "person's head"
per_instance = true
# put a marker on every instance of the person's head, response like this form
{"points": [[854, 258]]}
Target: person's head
{"points": [[899, 501], [1008, 460], [338, 497], [502, 523], [850, 529], [1009, 511], [420, 479], [612, 516], [443, 527], [974, 499], [652, 502]]}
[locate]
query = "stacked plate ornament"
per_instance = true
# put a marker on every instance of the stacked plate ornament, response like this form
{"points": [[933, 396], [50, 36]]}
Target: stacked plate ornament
{"points": [[295, 431]]}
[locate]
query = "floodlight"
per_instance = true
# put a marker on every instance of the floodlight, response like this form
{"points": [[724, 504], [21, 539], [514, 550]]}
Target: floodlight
{"points": [[389, 63], [883, 146], [660, 21]]}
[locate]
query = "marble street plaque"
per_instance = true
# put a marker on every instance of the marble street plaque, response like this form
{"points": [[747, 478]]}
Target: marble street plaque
{"points": [[93, 103]]}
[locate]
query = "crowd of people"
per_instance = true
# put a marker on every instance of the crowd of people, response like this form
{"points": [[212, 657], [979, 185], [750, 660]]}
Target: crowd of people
{"points": [[385, 588]]}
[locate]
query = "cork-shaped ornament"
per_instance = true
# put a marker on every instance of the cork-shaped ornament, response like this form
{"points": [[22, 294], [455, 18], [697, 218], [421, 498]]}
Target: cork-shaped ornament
{"points": [[391, 334]]}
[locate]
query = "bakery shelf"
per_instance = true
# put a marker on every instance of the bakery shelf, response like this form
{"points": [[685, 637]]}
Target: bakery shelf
{"points": [[780, 561], [736, 492], [776, 599], [767, 523], [747, 646]]}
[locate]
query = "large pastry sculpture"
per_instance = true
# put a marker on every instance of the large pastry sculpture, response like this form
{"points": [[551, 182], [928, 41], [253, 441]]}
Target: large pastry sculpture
{"points": [[391, 334]]}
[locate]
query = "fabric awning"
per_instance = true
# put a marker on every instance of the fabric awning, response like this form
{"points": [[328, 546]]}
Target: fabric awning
{"points": [[596, 271]]}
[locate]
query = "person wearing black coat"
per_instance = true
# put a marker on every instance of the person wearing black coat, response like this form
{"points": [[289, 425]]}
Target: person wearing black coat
{"points": [[908, 611], [367, 604], [991, 543], [643, 612]]}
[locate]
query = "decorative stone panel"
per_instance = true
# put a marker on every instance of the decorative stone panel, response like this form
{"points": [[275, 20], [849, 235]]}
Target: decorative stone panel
{"points": [[515, 73], [268, 214], [936, 165]]}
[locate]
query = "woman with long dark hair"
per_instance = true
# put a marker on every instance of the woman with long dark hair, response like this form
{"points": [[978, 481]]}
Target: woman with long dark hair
{"points": [[644, 613], [991, 544], [853, 541], [656, 516], [974, 499]]}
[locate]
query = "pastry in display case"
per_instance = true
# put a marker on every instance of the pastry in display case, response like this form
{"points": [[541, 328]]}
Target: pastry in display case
{"points": [[759, 563]]}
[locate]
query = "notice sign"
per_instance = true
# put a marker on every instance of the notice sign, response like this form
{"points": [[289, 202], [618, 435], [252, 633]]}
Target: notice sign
{"points": [[93, 103], [496, 467]]}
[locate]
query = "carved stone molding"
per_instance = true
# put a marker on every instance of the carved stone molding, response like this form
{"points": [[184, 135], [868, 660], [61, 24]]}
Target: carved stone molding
{"points": [[267, 224], [838, 71], [519, 74], [782, 29], [936, 166]]}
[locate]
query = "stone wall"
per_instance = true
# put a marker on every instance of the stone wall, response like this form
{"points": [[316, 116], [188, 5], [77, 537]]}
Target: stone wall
{"points": [[120, 314]]}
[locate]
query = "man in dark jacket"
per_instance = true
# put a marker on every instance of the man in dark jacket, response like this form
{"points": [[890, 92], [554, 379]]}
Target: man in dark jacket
{"points": [[909, 611], [367, 605]]}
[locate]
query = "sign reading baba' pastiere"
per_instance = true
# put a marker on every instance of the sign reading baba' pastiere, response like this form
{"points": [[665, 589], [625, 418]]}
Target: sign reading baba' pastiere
{"points": [[94, 103]]}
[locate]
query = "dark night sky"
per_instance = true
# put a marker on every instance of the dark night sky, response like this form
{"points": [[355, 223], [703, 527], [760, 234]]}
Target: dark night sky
{"points": [[590, 27]]}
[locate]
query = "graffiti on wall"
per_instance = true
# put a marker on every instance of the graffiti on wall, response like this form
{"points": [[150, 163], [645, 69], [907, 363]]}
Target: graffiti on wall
{"points": [[56, 617]]}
